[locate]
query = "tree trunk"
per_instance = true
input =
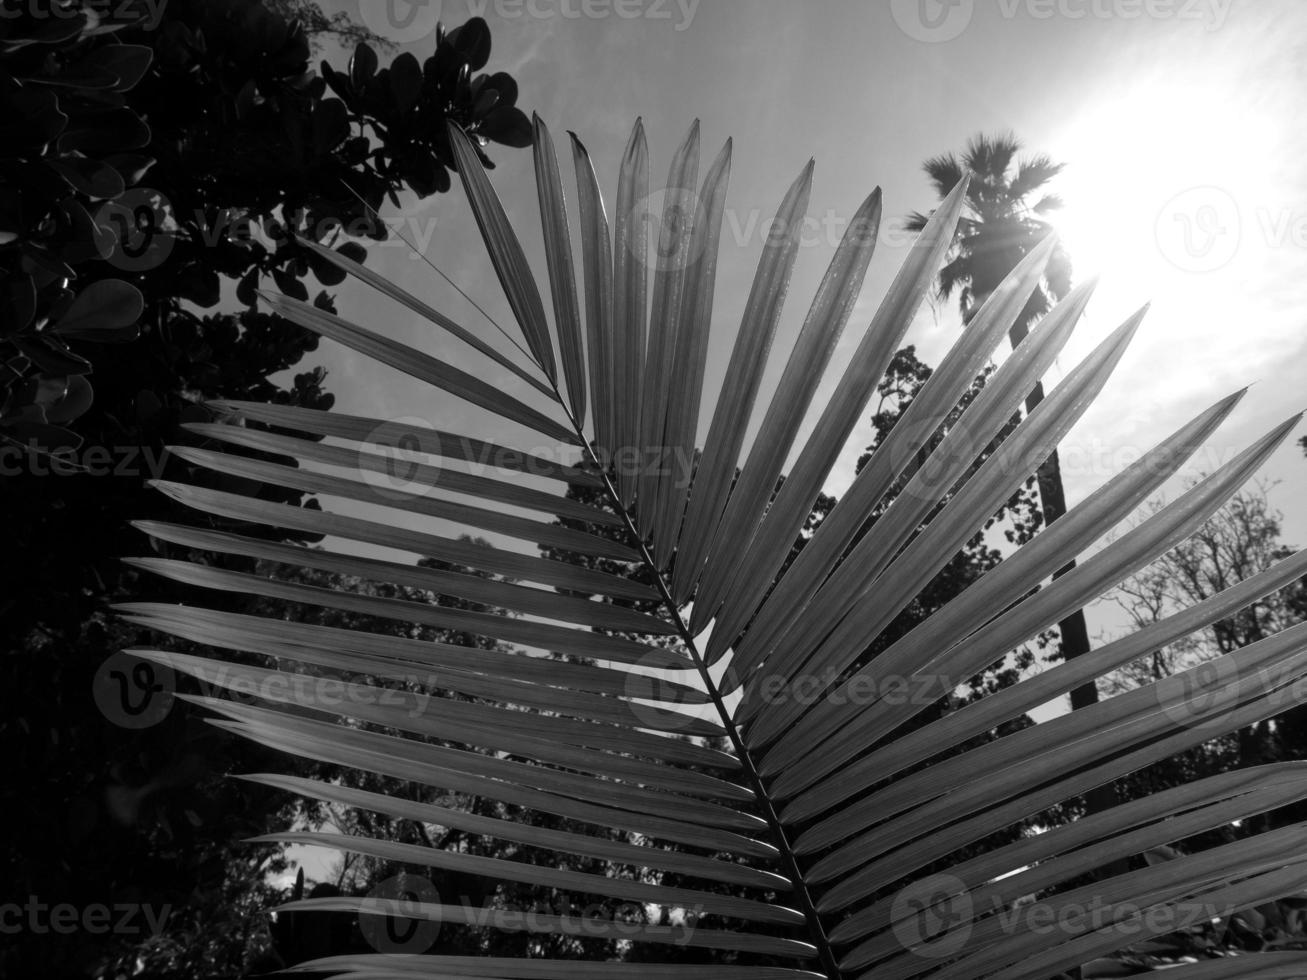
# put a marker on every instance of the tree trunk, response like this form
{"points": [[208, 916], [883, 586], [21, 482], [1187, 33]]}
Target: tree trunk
{"points": [[1074, 632]]}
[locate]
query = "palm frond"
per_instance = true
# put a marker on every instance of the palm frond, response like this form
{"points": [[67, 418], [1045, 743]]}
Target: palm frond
{"points": [[945, 172], [992, 154], [817, 835], [1047, 203], [1032, 174]]}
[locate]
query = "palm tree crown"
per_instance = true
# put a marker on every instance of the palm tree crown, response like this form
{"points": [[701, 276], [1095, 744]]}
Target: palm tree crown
{"points": [[1003, 226]]}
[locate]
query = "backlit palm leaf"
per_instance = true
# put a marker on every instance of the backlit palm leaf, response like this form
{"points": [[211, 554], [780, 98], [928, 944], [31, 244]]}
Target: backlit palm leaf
{"points": [[832, 852]]}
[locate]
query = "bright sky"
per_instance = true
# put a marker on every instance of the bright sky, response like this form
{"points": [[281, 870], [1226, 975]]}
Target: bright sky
{"points": [[1179, 123]]}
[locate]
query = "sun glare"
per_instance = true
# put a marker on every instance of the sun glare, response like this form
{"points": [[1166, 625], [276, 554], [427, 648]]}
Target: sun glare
{"points": [[1156, 182]]}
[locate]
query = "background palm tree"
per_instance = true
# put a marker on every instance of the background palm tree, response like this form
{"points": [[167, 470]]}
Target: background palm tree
{"points": [[1006, 221]]}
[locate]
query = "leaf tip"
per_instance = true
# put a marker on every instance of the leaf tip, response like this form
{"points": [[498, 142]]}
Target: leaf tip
{"points": [[1125, 333], [1234, 398]]}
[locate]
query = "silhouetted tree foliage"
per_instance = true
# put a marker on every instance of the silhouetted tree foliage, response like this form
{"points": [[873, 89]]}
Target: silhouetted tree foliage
{"points": [[151, 169], [1242, 539], [174, 146]]}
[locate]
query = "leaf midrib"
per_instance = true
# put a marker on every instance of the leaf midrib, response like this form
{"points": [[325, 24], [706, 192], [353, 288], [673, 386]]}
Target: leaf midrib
{"points": [[780, 839]]}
